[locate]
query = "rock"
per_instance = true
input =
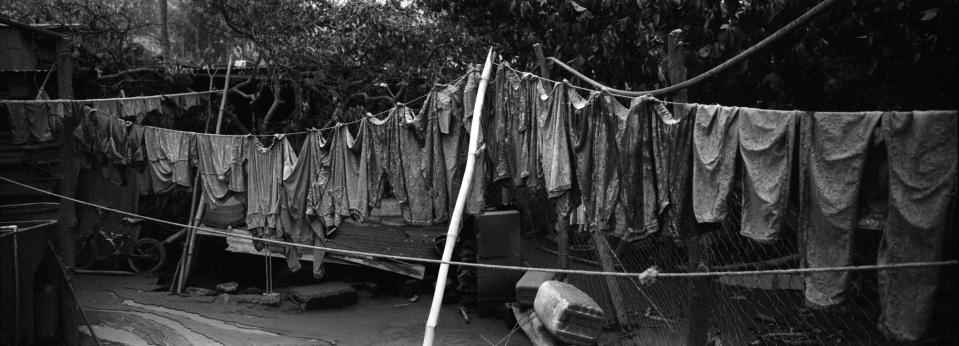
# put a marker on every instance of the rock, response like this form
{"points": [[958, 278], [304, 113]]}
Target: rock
{"points": [[199, 292], [268, 300], [227, 287], [252, 290], [222, 299], [325, 295]]}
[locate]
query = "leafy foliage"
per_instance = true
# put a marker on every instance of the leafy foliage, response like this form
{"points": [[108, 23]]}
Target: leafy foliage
{"points": [[866, 54]]}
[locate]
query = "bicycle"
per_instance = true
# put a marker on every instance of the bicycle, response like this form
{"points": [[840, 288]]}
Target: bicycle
{"points": [[142, 255]]}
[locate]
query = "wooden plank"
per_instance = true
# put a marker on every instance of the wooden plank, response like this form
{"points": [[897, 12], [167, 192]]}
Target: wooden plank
{"points": [[612, 286]]}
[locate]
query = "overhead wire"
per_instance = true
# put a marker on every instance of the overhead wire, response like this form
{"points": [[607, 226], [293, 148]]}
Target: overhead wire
{"points": [[645, 277]]}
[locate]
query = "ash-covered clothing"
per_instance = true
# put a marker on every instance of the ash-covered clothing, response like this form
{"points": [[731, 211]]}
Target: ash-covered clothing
{"points": [[555, 155], [342, 195], [766, 140], [922, 151], [586, 118], [604, 172], [635, 151], [444, 107], [293, 218], [264, 167], [834, 147], [169, 154], [500, 143], [518, 120], [131, 147], [383, 159], [674, 138], [371, 165], [29, 120], [320, 170], [416, 138], [220, 164], [470, 88], [715, 146], [453, 140]]}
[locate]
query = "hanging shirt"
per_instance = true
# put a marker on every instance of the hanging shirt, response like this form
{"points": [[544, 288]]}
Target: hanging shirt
{"points": [[585, 120], [264, 167], [715, 144], [29, 120], [220, 166], [168, 152], [518, 119], [341, 196], [835, 146], [553, 144], [637, 195], [411, 135], [922, 151], [674, 136], [766, 140]]}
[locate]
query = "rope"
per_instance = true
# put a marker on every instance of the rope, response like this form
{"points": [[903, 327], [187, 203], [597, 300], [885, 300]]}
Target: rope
{"points": [[813, 12], [646, 277]]}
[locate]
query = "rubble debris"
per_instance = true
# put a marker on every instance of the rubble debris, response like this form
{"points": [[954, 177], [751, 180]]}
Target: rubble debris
{"points": [[325, 295], [227, 287]]}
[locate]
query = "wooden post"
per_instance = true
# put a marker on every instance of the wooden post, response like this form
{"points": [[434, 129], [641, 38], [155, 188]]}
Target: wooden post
{"points": [[541, 60], [615, 293], [697, 245], [67, 210]]}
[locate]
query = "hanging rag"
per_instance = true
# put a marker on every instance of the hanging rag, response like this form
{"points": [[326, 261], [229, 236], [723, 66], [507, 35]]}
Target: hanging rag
{"points": [[922, 150], [715, 144], [835, 147], [766, 140]]}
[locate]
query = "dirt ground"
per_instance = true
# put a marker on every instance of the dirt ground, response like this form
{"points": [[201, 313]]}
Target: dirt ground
{"points": [[124, 310]]}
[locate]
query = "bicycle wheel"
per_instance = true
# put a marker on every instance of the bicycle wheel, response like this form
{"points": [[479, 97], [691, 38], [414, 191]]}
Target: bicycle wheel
{"points": [[146, 255]]}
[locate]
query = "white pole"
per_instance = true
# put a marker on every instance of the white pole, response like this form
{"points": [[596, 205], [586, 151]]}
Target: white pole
{"points": [[456, 218]]}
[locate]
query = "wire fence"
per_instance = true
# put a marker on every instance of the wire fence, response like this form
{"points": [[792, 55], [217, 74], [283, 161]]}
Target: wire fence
{"points": [[764, 307]]}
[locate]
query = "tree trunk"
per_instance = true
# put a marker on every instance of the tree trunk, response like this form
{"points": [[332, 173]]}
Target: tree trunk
{"points": [[164, 31]]}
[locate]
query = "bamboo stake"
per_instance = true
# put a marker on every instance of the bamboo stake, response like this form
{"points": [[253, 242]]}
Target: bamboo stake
{"points": [[457, 216], [191, 235]]}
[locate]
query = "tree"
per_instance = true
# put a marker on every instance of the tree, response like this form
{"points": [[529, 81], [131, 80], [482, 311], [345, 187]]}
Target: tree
{"points": [[860, 55], [341, 59]]}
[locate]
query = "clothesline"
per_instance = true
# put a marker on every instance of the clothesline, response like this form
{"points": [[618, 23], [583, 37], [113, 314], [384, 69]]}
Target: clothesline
{"points": [[650, 274], [197, 93]]}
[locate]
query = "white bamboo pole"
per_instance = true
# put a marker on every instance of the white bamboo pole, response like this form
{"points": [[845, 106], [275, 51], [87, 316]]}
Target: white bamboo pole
{"points": [[456, 218]]}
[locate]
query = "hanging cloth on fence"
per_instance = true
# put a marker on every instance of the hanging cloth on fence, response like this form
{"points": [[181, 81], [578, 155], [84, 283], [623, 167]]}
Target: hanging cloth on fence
{"points": [[674, 136], [922, 151], [715, 145], [834, 148], [342, 195], [766, 140]]}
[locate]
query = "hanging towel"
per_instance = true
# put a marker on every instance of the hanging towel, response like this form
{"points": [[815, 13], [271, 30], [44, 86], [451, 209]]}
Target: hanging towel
{"points": [[922, 151], [220, 166], [835, 150], [766, 140], [715, 143]]}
